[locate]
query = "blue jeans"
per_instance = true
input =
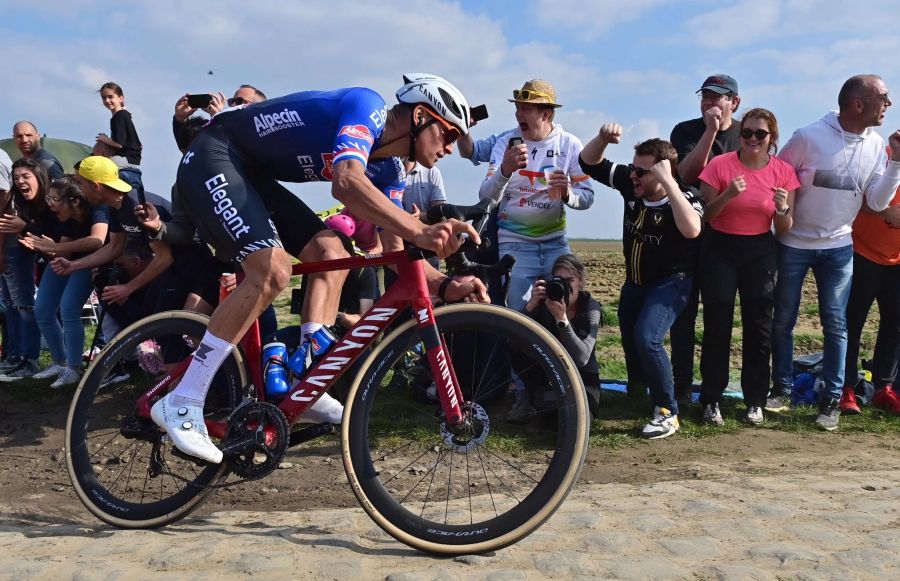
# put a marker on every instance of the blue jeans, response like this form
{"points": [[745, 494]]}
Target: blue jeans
{"points": [[646, 314], [833, 271], [534, 260], [23, 334], [67, 295]]}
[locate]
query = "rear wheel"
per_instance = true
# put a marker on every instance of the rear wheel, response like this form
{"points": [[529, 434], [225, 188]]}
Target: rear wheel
{"points": [[483, 485], [120, 464]]}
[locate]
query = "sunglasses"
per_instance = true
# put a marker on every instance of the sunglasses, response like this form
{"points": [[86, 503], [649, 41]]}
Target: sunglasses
{"points": [[759, 134], [527, 94], [235, 101], [883, 97], [639, 171], [449, 133]]}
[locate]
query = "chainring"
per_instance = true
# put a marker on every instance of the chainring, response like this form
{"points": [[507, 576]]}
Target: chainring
{"points": [[256, 440]]}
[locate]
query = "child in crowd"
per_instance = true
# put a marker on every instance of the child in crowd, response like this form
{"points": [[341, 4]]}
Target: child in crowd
{"points": [[122, 135]]}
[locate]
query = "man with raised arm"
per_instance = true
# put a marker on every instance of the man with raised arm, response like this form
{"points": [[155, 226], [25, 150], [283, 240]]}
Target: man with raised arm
{"points": [[660, 222], [697, 141], [229, 182]]}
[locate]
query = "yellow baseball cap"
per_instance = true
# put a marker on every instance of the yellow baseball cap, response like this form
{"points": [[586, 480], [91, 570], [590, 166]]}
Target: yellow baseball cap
{"points": [[103, 171]]}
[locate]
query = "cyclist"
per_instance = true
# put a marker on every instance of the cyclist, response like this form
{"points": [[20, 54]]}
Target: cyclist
{"points": [[228, 180]]}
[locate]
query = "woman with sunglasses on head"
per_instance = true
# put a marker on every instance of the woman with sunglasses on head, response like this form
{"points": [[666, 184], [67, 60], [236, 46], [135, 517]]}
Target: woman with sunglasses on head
{"points": [[71, 228], [22, 207], [746, 192]]}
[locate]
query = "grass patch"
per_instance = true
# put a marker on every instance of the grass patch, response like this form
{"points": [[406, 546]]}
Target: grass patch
{"points": [[810, 309], [623, 417], [612, 368], [608, 341], [807, 343]]}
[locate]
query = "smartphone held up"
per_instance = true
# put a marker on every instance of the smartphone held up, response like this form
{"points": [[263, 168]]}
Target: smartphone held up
{"points": [[199, 101]]}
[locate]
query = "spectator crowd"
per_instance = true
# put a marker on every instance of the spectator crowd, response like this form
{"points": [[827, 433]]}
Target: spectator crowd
{"points": [[717, 211]]}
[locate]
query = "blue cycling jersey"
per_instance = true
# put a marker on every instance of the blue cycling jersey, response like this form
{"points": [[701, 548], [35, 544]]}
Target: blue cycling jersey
{"points": [[301, 137]]}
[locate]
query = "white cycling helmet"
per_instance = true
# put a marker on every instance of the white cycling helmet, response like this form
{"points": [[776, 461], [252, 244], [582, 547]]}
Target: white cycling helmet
{"points": [[440, 95]]}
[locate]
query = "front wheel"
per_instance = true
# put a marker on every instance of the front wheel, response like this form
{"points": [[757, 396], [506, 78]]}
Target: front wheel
{"points": [[490, 482], [120, 464]]}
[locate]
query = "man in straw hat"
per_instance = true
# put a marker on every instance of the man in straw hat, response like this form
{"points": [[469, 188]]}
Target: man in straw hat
{"points": [[534, 174]]}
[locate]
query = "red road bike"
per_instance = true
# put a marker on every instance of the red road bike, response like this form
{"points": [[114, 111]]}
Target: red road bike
{"points": [[444, 475]]}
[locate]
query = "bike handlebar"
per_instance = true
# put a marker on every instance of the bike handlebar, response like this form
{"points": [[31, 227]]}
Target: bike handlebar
{"points": [[459, 263], [478, 214]]}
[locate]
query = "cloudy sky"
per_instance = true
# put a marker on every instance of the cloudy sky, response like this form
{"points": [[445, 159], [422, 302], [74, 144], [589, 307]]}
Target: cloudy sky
{"points": [[636, 62]]}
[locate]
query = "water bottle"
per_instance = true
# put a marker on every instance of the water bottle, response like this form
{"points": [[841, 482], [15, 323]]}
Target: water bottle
{"points": [[275, 371], [317, 345]]}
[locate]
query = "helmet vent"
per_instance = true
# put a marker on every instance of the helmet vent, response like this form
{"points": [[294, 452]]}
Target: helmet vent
{"points": [[449, 102]]}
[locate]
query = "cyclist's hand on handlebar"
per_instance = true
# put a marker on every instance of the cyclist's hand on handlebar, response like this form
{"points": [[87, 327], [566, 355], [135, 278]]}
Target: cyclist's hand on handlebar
{"points": [[467, 289], [443, 238]]}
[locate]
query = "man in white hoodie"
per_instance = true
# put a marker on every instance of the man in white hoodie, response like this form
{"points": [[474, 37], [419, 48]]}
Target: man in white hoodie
{"points": [[840, 161]]}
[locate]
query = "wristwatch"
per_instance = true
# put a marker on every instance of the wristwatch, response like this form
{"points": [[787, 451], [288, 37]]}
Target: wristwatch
{"points": [[562, 325], [783, 212]]}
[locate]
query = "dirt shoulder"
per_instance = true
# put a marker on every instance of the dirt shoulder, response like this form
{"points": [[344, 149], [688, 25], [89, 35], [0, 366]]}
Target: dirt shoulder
{"points": [[34, 485]]}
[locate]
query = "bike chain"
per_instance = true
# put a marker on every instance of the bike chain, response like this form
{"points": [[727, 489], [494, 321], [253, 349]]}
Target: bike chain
{"points": [[245, 436]]}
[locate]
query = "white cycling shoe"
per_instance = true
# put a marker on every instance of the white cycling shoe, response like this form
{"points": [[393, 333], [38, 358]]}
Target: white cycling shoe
{"points": [[326, 409], [185, 426]]}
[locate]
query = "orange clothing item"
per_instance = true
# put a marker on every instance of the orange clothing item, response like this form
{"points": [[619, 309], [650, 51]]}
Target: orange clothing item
{"points": [[874, 239]]}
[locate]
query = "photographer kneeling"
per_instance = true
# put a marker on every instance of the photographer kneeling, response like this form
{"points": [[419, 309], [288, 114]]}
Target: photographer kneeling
{"points": [[568, 311]]}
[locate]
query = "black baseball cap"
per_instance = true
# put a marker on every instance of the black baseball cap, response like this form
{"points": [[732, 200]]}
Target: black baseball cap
{"points": [[720, 84]]}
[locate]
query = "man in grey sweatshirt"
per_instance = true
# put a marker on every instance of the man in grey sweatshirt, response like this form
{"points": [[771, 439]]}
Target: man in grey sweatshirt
{"points": [[840, 161]]}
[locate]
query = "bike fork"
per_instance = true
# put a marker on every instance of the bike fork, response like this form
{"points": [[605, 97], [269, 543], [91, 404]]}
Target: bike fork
{"points": [[448, 389]]}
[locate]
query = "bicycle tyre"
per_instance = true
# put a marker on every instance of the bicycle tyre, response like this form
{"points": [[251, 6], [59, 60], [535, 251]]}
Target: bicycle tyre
{"points": [[520, 493], [110, 471]]}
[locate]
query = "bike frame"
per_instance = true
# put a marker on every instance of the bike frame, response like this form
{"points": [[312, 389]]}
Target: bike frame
{"points": [[409, 290]]}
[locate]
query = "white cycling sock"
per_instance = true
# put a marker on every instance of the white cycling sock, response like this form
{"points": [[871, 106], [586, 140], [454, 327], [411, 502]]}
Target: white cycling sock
{"points": [[307, 329], [325, 409], [206, 361]]}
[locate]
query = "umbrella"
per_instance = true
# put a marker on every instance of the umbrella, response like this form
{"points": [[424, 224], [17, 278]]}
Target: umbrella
{"points": [[67, 152]]}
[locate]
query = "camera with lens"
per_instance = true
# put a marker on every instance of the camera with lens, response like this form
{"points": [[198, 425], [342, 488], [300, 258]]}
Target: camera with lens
{"points": [[109, 274], [558, 289]]}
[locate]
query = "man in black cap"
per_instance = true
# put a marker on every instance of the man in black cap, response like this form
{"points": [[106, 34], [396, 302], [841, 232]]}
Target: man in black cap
{"points": [[697, 141]]}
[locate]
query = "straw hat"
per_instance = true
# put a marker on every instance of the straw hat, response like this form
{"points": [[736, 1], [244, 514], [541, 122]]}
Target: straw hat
{"points": [[537, 92]]}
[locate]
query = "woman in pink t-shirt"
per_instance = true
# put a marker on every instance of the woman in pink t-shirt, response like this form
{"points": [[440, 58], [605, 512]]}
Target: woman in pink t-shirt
{"points": [[745, 192]]}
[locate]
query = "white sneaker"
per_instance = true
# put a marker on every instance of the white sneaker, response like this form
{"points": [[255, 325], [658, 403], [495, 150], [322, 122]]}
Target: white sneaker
{"points": [[50, 372], [662, 425], [326, 409], [185, 426], [67, 377], [712, 414], [755, 415]]}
